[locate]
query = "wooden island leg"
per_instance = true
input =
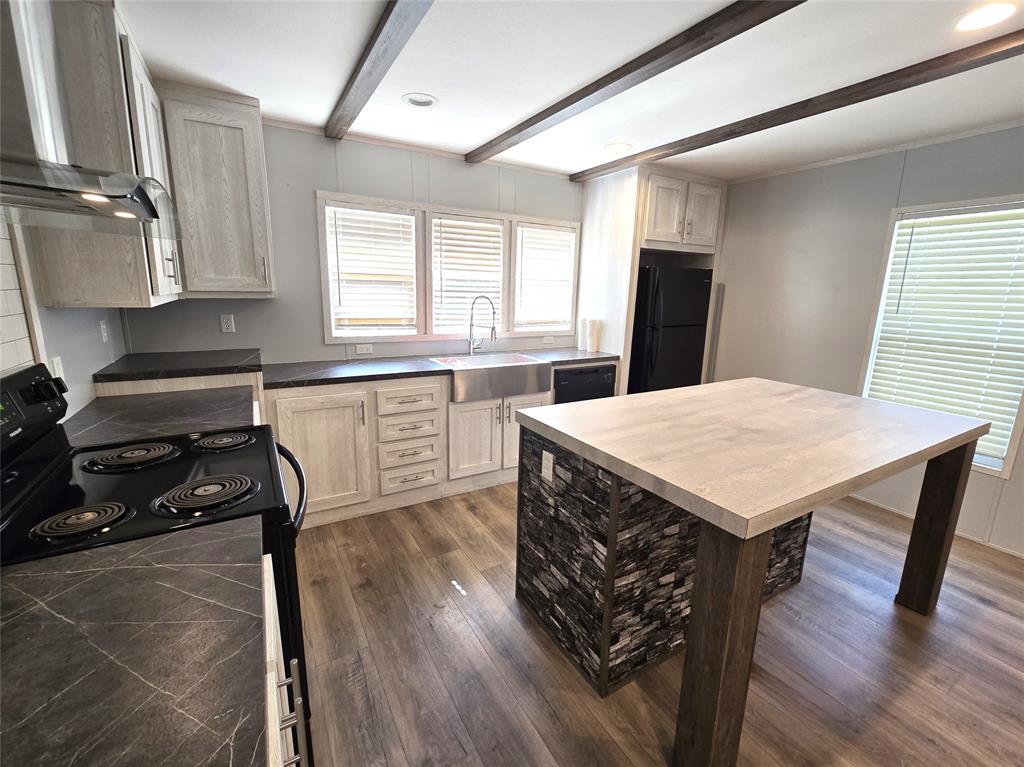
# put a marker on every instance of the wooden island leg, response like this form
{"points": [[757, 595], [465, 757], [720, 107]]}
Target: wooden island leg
{"points": [[719, 646], [938, 508]]}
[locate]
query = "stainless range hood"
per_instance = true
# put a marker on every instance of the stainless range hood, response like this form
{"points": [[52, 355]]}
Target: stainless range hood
{"points": [[41, 182]]}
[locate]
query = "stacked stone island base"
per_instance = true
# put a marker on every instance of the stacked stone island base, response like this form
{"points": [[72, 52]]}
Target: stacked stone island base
{"points": [[608, 567]]}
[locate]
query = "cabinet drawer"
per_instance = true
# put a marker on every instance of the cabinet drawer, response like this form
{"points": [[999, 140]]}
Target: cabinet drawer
{"points": [[409, 478], [408, 399], [408, 425], [409, 451]]}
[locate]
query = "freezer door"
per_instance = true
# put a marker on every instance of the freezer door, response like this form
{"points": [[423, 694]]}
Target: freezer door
{"points": [[682, 297]]}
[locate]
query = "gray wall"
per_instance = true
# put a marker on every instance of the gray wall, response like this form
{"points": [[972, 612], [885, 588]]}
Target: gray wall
{"points": [[290, 327], [74, 336], [802, 260]]}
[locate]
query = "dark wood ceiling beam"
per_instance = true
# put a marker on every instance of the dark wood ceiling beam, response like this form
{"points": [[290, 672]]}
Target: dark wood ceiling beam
{"points": [[729, 22], [394, 28], [962, 60]]}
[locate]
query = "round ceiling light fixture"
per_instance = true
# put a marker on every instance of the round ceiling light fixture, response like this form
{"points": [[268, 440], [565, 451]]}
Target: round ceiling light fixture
{"points": [[92, 197], [986, 16], [618, 148], [419, 99]]}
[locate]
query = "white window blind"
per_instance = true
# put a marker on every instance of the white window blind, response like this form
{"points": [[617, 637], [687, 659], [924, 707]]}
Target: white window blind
{"points": [[545, 263], [466, 257], [371, 261], [951, 329]]}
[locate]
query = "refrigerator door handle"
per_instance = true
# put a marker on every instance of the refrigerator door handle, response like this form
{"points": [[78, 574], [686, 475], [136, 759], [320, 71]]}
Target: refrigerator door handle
{"points": [[655, 347], [657, 310]]}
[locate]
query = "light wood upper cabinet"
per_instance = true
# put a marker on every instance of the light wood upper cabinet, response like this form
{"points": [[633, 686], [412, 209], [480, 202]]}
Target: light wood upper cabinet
{"points": [[510, 435], [700, 224], [329, 436], [215, 144], [665, 199], [76, 267], [474, 437], [150, 160]]}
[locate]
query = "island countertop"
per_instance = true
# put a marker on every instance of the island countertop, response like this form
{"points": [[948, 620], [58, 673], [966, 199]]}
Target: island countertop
{"points": [[751, 454]]}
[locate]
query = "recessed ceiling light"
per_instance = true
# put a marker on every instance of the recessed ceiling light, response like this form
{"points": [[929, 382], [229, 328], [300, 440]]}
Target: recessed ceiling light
{"points": [[90, 197], [986, 16], [618, 148], [123, 214], [419, 99]]}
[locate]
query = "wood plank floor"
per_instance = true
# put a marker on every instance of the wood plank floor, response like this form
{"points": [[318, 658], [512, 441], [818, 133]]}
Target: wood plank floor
{"points": [[420, 655]]}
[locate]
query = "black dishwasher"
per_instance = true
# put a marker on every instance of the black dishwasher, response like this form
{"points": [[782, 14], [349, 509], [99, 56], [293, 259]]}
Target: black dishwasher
{"points": [[579, 383]]}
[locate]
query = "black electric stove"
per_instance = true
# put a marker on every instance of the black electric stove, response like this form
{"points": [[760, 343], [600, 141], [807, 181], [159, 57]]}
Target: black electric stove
{"points": [[56, 499], [128, 490]]}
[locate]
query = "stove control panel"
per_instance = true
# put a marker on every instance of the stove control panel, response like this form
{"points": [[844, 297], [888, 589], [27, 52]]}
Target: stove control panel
{"points": [[31, 403]]}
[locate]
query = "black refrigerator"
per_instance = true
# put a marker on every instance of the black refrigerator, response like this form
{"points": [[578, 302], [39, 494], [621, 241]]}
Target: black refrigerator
{"points": [[669, 327]]}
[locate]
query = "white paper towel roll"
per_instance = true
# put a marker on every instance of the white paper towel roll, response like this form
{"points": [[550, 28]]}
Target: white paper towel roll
{"points": [[593, 335], [581, 334]]}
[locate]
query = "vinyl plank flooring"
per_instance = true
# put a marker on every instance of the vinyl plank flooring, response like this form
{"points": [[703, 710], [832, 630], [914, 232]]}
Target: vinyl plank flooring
{"points": [[422, 655], [355, 723], [329, 616], [501, 731]]}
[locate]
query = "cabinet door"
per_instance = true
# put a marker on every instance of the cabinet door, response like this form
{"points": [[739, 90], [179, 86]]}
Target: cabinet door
{"points": [[150, 160], [700, 226], [330, 438], [510, 433], [664, 208], [474, 437], [220, 186]]}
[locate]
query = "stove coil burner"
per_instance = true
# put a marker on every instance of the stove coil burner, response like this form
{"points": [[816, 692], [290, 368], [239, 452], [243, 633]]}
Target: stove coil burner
{"points": [[85, 521], [132, 458], [221, 443], [207, 496]]}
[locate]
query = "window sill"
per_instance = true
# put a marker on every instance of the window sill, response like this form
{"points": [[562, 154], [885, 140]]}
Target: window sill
{"points": [[992, 467], [422, 338]]}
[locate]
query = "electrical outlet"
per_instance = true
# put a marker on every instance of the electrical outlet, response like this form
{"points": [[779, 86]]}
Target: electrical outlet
{"points": [[104, 333], [547, 466], [364, 348], [57, 367], [549, 339], [227, 323]]}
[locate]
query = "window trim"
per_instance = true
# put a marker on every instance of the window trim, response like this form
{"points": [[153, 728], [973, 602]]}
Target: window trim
{"points": [[938, 209], [514, 224], [424, 273]]}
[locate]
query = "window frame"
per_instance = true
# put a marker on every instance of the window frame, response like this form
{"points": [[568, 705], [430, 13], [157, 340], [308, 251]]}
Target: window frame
{"points": [[510, 295], [939, 209], [424, 213]]}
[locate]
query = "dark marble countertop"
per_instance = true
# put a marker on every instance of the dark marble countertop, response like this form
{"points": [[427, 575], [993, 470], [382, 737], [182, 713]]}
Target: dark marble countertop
{"points": [[288, 374], [145, 652], [132, 416], [149, 365]]}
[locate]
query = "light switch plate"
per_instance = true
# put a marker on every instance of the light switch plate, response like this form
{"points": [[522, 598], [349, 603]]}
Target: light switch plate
{"points": [[547, 466], [549, 339], [104, 333], [227, 323], [364, 348], [57, 367]]}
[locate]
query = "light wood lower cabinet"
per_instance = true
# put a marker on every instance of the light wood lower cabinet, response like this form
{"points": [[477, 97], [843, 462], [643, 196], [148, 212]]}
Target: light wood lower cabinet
{"points": [[329, 436], [510, 431], [474, 437]]}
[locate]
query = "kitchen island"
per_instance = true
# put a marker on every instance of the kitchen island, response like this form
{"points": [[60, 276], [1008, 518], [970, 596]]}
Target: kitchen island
{"points": [[610, 489]]}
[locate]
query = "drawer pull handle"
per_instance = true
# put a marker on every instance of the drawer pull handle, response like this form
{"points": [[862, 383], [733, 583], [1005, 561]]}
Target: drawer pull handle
{"points": [[407, 453], [413, 427], [411, 479], [409, 400]]}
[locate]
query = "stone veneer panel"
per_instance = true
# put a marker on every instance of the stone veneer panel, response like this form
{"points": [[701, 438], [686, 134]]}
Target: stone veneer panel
{"points": [[614, 624]]}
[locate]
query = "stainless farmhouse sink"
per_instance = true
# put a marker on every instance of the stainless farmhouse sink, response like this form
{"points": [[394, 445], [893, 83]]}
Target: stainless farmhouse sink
{"points": [[490, 376]]}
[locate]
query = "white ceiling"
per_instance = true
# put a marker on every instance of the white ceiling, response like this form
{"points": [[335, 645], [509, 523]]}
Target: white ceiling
{"points": [[491, 64]]}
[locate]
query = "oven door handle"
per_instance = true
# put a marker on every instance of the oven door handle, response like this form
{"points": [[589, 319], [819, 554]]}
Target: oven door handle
{"points": [[300, 475]]}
